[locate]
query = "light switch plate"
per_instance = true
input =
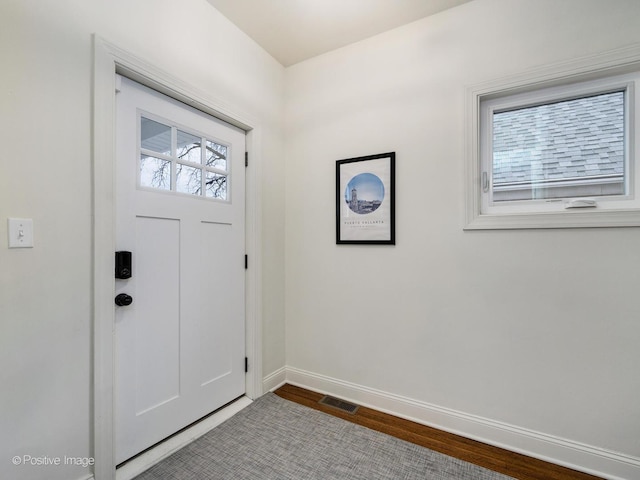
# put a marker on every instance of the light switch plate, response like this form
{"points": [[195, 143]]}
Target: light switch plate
{"points": [[20, 233]]}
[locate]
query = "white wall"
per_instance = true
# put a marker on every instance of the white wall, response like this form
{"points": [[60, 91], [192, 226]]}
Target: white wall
{"points": [[536, 329], [45, 129]]}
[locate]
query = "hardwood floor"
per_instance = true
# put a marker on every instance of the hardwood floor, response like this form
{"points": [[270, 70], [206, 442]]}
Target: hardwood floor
{"points": [[497, 459]]}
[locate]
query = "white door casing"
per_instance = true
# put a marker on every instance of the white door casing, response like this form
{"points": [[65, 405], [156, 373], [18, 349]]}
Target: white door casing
{"points": [[179, 348], [110, 59]]}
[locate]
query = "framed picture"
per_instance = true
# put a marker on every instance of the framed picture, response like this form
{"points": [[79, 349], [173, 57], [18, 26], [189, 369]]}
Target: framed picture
{"points": [[365, 200]]}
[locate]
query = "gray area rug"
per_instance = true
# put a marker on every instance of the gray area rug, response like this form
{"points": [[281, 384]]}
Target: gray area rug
{"points": [[274, 438]]}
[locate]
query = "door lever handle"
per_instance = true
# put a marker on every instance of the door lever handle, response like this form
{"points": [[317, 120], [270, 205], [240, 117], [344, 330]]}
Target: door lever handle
{"points": [[122, 300]]}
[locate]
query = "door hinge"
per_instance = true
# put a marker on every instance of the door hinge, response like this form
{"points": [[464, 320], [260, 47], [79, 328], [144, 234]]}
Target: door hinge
{"points": [[246, 159], [118, 83], [246, 262], [246, 364]]}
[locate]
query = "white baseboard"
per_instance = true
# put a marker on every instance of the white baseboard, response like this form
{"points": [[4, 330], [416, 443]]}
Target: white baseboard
{"points": [[274, 380], [560, 451], [149, 458]]}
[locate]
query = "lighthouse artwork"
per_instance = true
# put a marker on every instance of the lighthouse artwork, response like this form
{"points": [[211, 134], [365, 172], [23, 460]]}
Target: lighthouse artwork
{"points": [[364, 193], [365, 199]]}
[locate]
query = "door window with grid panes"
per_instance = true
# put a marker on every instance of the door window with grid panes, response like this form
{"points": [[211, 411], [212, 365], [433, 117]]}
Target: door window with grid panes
{"points": [[182, 161]]}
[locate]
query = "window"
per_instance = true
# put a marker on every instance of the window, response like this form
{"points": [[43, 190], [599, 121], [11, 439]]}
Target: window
{"points": [[560, 149], [173, 159], [555, 151]]}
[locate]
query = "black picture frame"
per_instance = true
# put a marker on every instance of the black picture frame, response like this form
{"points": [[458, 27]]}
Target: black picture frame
{"points": [[370, 218]]}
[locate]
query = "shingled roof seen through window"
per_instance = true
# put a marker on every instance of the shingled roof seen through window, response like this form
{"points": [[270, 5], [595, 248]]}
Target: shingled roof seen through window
{"points": [[573, 139]]}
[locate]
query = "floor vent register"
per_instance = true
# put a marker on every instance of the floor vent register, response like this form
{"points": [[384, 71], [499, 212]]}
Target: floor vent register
{"points": [[347, 407]]}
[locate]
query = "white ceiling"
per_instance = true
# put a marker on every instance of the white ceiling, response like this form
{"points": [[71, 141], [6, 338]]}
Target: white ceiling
{"points": [[294, 30]]}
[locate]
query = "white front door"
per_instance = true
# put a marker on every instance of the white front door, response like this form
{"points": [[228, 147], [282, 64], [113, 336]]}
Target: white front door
{"points": [[180, 212]]}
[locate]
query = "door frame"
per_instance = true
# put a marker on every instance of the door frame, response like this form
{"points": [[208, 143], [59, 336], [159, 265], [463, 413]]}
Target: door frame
{"points": [[109, 60]]}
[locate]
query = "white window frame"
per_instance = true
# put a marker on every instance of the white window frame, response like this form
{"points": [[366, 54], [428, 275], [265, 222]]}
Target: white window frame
{"points": [[175, 161], [611, 71]]}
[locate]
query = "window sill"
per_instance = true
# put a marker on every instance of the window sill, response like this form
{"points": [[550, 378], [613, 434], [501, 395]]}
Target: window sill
{"points": [[564, 219]]}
